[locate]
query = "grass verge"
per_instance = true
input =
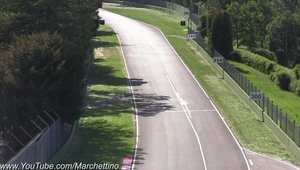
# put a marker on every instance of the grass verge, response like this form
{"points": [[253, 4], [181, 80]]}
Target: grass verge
{"points": [[288, 101], [105, 131], [252, 133], [169, 24]]}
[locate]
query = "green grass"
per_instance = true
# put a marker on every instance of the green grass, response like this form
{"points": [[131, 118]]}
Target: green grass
{"points": [[168, 25], [288, 101], [251, 132], [105, 131]]}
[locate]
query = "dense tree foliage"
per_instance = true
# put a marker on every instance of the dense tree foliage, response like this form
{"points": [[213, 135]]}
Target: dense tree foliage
{"points": [[32, 74], [221, 33], [265, 24], [44, 49], [284, 39]]}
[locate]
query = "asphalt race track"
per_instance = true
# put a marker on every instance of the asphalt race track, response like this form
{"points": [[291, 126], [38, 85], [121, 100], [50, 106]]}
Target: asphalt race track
{"points": [[179, 128]]}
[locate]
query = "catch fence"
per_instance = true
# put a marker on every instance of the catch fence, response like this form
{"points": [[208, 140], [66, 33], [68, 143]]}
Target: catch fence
{"points": [[34, 142]]}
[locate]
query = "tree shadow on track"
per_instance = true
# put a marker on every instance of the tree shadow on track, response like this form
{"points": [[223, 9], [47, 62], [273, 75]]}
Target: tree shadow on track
{"points": [[152, 104], [140, 153]]}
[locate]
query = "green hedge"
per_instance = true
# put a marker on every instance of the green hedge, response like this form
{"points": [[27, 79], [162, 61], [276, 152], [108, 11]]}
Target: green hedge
{"points": [[297, 71], [295, 86], [279, 74], [265, 53], [256, 61], [283, 80]]}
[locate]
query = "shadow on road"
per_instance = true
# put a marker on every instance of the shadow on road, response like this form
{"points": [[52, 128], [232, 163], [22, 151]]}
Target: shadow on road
{"points": [[140, 156], [109, 95], [104, 44], [151, 104]]}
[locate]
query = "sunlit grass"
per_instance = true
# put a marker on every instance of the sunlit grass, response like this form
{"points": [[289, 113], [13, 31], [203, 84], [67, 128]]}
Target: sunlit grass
{"points": [[288, 101], [105, 131], [251, 132]]}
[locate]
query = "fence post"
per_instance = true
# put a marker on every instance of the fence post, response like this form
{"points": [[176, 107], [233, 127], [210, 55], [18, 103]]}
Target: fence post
{"points": [[294, 127], [246, 86], [299, 135], [263, 108], [14, 152], [37, 126], [272, 111], [280, 117], [242, 82], [286, 122], [19, 141], [43, 121], [26, 132], [268, 106]]}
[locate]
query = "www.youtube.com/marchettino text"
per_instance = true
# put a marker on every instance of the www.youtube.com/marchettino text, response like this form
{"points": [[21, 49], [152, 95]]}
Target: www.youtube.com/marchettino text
{"points": [[66, 166]]}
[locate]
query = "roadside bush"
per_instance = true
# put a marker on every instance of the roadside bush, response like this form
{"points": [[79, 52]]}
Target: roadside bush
{"points": [[297, 71], [265, 53], [256, 61], [298, 89], [235, 56], [283, 80], [284, 77], [295, 86], [278, 69]]}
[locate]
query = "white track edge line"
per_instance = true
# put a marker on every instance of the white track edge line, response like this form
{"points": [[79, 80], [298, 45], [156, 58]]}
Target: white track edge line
{"points": [[202, 91], [250, 161], [134, 102], [205, 94], [243, 153], [192, 126], [269, 157]]}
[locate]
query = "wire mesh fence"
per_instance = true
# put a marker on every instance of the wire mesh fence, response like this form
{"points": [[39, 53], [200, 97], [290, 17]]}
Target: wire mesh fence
{"points": [[35, 141], [289, 126]]}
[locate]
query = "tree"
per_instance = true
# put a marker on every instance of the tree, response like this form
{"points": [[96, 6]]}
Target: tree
{"points": [[221, 33], [209, 19], [284, 39], [249, 21], [31, 70], [234, 10], [54, 39]]}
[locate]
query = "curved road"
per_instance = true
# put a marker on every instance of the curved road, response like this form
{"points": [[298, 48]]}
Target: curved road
{"points": [[178, 125]]}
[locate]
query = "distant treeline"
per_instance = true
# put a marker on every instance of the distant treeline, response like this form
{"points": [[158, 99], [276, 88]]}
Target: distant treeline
{"points": [[43, 55], [270, 27], [266, 34]]}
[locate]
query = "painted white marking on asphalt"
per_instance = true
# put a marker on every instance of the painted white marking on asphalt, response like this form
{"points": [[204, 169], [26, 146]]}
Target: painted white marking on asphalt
{"points": [[191, 111], [189, 119], [250, 161], [134, 103], [243, 153], [241, 149], [203, 110], [275, 159], [184, 104]]}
